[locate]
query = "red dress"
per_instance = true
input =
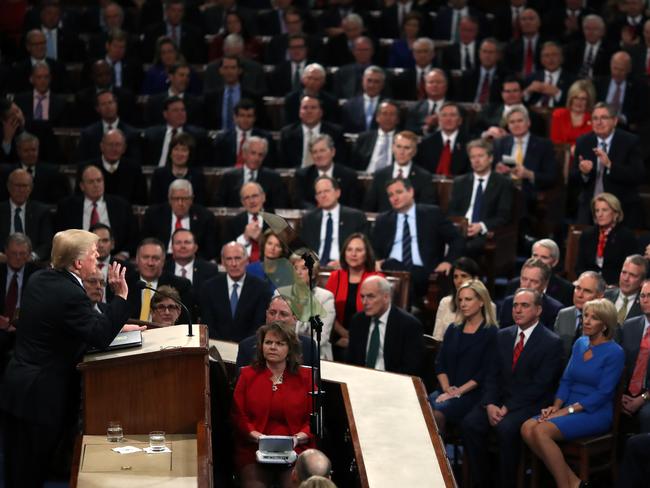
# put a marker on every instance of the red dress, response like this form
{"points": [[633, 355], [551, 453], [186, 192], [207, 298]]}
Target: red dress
{"points": [[337, 283], [563, 132], [257, 407]]}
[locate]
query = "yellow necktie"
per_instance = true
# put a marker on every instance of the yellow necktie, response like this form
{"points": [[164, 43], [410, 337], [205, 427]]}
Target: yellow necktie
{"points": [[145, 309], [622, 312], [519, 153]]}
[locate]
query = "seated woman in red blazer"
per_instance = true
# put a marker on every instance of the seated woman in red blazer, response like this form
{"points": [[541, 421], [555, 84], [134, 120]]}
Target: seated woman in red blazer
{"points": [[567, 124], [271, 398], [357, 263]]}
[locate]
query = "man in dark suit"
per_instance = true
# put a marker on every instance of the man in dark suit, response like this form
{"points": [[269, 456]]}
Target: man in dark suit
{"points": [[413, 237], [384, 323], [462, 54], [158, 138], [178, 77], [640, 54], [180, 212], [122, 176], [505, 24], [312, 81], [323, 152], [62, 40], [234, 303], [338, 51], [41, 103], [404, 150], [358, 113], [411, 83], [228, 145], [627, 26], [247, 227], [522, 54], [287, 75], [276, 49], [589, 57], [548, 86], [635, 469], [625, 297], [522, 380], [20, 214], [106, 257], [372, 149], [564, 21], [609, 160], [633, 337], [35, 44], [327, 240], [90, 138], [271, 22], [92, 206], [254, 151], [150, 264], [294, 138], [422, 118], [448, 22], [40, 392], [535, 275], [483, 197], [348, 78], [482, 83], [119, 51], [391, 19], [443, 152]]}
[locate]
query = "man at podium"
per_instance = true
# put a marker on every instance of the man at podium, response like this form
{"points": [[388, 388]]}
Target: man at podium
{"points": [[40, 393]]}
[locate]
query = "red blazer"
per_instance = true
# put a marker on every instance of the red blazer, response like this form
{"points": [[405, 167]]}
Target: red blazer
{"points": [[337, 283], [562, 132], [251, 403]]}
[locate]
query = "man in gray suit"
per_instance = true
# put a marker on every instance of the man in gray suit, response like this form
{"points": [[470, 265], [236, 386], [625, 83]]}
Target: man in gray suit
{"points": [[626, 296], [568, 324], [634, 338]]}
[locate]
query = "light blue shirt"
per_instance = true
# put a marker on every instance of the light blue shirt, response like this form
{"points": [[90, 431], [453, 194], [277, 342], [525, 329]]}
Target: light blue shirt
{"points": [[396, 251]]}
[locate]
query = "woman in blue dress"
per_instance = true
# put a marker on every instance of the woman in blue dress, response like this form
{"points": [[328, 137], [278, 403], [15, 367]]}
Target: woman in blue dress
{"points": [[584, 402], [465, 355]]}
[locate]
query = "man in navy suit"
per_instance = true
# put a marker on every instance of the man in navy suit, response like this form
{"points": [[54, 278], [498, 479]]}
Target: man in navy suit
{"points": [[535, 275], [358, 113], [481, 84], [41, 103], [522, 380], [625, 296], [548, 87], [463, 54], [372, 149], [312, 83], [233, 304], [383, 323], [522, 53]]}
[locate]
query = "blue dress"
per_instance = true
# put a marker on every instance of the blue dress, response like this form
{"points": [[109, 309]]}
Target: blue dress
{"points": [[592, 384]]}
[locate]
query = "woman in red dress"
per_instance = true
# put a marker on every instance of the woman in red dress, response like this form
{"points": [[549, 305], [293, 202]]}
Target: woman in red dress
{"points": [[271, 398], [567, 124]]}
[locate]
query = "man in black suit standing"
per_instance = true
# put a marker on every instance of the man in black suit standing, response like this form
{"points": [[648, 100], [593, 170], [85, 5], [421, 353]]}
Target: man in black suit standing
{"points": [[41, 103], [548, 87], [443, 152], [233, 304], [20, 214], [229, 145], [481, 84], [404, 150], [609, 160], [178, 77], [358, 113], [316, 230], [590, 56], [413, 237], [382, 323], [295, 138], [372, 149], [312, 84], [254, 151], [482, 196], [625, 297], [322, 152], [180, 212], [287, 75], [463, 54], [522, 380], [522, 54]]}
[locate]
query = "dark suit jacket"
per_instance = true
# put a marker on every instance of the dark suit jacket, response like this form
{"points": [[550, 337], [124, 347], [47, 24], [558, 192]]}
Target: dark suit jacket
{"points": [[434, 232], [469, 85], [291, 144], [163, 177], [430, 149], [403, 343], [41, 383], [496, 205], [203, 270], [346, 178], [276, 193], [574, 55], [492, 115], [329, 103], [550, 309], [452, 58], [158, 223], [50, 185], [635, 99], [388, 26], [635, 310], [69, 215], [58, 113], [22, 70], [251, 308], [182, 285], [155, 136], [30, 268], [248, 349], [629, 337], [350, 221], [126, 102], [252, 79], [418, 113], [235, 226], [281, 81], [362, 150], [153, 110], [225, 148], [38, 226], [443, 24], [621, 179], [127, 181], [353, 115], [347, 80], [192, 44], [564, 82], [91, 136], [377, 199], [213, 105], [514, 55], [532, 384], [558, 288], [621, 242]]}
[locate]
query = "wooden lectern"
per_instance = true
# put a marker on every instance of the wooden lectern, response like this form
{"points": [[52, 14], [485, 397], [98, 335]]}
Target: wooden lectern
{"points": [[161, 385]]}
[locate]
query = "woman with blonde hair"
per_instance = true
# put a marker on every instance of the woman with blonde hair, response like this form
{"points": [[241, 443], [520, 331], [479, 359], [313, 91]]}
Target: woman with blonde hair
{"points": [[465, 355], [570, 122]]}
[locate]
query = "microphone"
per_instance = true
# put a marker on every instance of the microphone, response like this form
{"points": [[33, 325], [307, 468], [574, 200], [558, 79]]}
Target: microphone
{"points": [[141, 285]]}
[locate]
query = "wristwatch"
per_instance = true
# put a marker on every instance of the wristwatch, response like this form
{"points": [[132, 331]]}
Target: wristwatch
{"points": [[571, 409], [645, 396]]}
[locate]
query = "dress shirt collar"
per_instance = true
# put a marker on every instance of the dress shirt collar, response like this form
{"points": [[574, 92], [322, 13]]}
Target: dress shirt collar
{"points": [[114, 125], [240, 283], [527, 333], [406, 169], [110, 167]]}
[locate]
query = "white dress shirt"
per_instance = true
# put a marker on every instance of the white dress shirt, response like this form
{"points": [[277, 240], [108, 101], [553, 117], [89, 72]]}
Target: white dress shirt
{"points": [[185, 224], [189, 270], [381, 135], [45, 104], [527, 334], [19, 278], [102, 211], [406, 169], [166, 142], [336, 218], [396, 251], [245, 242], [470, 209], [231, 282], [315, 131], [13, 208], [383, 321]]}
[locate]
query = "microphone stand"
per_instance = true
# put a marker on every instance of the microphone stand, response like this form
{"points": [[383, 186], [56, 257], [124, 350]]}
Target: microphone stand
{"points": [[143, 286]]}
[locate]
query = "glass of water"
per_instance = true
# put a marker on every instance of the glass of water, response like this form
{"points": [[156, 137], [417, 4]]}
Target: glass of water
{"points": [[157, 440], [114, 433]]}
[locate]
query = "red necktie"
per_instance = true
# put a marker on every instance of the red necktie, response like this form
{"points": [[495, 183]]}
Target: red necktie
{"points": [[517, 351], [12, 298], [400, 174], [240, 152], [444, 163], [94, 215], [255, 246], [647, 68], [528, 61], [179, 223], [641, 366], [602, 241], [484, 94], [516, 29], [421, 90]]}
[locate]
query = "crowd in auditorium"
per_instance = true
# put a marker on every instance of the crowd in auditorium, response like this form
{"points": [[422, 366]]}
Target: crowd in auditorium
{"points": [[470, 179]]}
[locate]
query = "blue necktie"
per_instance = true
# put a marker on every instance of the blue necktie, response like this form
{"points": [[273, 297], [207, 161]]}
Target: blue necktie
{"points": [[327, 247], [18, 222], [370, 112], [407, 258], [51, 45], [228, 122], [38, 111], [234, 299], [478, 199], [373, 346]]}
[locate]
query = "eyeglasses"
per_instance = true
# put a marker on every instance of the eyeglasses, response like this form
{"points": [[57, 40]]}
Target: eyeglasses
{"points": [[166, 308]]}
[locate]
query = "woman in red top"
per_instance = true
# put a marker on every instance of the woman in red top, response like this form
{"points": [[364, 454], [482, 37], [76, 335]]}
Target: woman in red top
{"points": [[253, 48], [271, 398], [567, 124], [357, 264]]}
